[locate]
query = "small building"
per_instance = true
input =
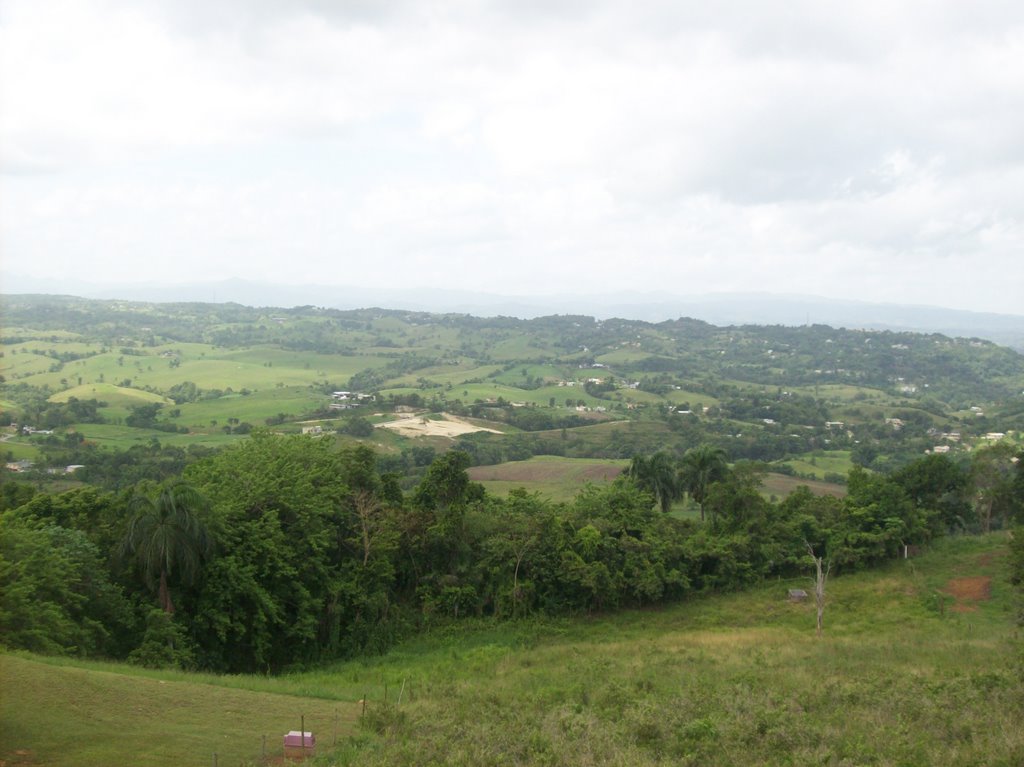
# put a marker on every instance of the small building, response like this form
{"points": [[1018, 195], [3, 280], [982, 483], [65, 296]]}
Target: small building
{"points": [[318, 429], [797, 595], [20, 466]]}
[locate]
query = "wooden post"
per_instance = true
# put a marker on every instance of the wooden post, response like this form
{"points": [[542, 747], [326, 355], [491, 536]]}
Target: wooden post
{"points": [[302, 735], [214, 759], [400, 693], [363, 713], [335, 727], [264, 747]]}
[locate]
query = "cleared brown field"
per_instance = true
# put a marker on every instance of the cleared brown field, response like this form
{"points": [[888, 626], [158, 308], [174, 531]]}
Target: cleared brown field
{"points": [[558, 478], [549, 470], [781, 485]]}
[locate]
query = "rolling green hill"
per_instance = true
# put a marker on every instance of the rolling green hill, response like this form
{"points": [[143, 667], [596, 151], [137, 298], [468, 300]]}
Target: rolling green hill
{"points": [[565, 385]]}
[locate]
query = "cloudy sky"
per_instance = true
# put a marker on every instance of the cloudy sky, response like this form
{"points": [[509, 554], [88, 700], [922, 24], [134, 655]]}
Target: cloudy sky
{"points": [[870, 150]]}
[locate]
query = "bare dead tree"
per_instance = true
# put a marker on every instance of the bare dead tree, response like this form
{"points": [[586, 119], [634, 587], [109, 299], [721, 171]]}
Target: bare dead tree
{"points": [[368, 510], [822, 570]]}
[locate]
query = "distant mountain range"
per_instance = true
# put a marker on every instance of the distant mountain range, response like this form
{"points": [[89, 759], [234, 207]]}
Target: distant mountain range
{"points": [[716, 308]]}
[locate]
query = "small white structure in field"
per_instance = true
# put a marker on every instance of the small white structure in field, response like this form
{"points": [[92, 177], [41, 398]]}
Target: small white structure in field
{"points": [[299, 744]]}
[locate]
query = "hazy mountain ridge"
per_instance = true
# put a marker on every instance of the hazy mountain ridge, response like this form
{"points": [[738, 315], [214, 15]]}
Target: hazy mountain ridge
{"points": [[721, 309]]}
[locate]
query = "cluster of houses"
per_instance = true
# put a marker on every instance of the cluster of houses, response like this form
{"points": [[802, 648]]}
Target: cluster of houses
{"points": [[954, 437], [343, 400], [24, 465]]}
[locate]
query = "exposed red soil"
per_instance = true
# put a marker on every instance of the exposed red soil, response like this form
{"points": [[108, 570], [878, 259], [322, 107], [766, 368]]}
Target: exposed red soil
{"points": [[968, 592]]}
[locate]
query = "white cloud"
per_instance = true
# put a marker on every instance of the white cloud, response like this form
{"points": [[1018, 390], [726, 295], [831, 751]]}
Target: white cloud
{"points": [[866, 151]]}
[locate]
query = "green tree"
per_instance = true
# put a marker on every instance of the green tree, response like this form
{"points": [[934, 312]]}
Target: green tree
{"points": [[993, 473], [167, 536], [656, 475], [937, 483], [700, 468], [55, 596]]}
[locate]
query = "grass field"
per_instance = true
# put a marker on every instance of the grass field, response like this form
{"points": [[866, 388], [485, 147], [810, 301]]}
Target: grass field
{"points": [[63, 715], [209, 367], [818, 464], [919, 665], [123, 437], [255, 407], [113, 395]]}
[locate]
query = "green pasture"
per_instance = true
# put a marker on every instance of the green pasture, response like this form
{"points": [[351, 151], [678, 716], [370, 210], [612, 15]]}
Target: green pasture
{"points": [[912, 669], [519, 347], [680, 396], [20, 449], [443, 375], [455, 376], [33, 334], [123, 437], [818, 463], [254, 407], [543, 395], [22, 366], [859, 412], [624, 356], [207, 366], [636, 396], [515, 376], [841, 393], [115, 396]]}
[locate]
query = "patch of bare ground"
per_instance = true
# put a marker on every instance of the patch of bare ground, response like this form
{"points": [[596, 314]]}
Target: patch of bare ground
{"points": [[967, 592], [20, 758], [534, 471], [420, 426]]}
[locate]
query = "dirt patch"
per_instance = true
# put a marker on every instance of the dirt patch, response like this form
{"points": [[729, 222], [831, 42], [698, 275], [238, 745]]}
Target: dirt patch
{"points": [[967, 592], [418, 426], [545, 471], [20, 758]]}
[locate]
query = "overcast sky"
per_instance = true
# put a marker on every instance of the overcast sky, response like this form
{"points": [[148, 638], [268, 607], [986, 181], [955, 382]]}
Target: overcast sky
{"points": [[870, 150]]}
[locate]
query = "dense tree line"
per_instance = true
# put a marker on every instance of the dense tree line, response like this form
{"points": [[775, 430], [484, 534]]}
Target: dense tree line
{"points": [[283, 552]]}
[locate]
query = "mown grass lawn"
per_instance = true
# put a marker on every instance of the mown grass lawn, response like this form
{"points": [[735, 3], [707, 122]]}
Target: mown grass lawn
{"points": [[63, 715]]}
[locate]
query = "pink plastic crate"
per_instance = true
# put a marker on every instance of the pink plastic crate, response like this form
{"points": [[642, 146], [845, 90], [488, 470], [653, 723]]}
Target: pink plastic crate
{"points": [[294, 745]]}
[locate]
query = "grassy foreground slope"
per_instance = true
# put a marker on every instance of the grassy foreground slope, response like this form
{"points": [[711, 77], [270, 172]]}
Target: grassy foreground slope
{"points": [[80, 716], [920, 665]]}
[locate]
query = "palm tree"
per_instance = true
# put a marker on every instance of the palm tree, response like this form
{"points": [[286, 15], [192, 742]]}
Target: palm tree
{"points": [[167, 537], [656, 475], [701, 467]]}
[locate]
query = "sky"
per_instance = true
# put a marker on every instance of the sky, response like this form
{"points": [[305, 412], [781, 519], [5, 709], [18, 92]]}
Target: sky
{"points": [[870, 151]]}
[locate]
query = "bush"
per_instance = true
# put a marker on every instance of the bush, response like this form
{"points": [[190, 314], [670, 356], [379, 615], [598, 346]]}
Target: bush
{"points": [[164, 645]]}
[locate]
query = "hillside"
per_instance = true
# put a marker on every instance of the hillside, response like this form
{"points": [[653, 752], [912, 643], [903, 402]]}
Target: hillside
{"points": [[918, 665], [566, 385]]}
